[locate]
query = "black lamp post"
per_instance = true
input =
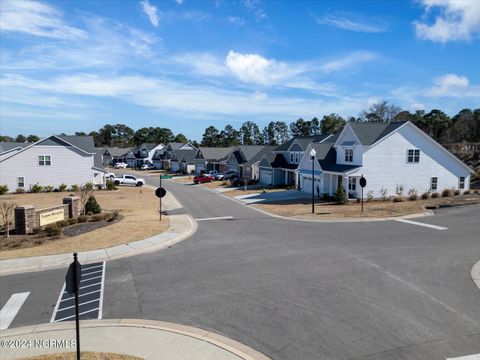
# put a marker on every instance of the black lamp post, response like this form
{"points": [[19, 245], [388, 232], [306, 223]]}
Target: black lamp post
{"points": [[312, 157]]}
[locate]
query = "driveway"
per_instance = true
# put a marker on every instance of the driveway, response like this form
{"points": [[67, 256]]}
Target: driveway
{"points": [[271, 197]]}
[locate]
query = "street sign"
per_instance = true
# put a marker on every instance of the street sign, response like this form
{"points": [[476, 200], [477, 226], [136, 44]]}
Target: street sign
{"points": [[363, 182], [160, 192], [71, 284]]}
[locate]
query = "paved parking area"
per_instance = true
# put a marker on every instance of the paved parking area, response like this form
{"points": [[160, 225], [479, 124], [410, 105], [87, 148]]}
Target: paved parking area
{"points": [[90, 296], [269, 197]]}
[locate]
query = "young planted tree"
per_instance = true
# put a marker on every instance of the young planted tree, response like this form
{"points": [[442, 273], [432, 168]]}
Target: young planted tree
{"points": [[7, 211], [84, 192]]}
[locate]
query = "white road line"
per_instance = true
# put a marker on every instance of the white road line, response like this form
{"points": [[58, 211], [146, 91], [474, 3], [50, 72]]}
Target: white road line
{"points": [[73, 297], [468, 357], [69, 317], [436, 227], [59, 300], [100, 307], [11, 309], [79, 304], [215, 218], [86, 267], [92, 278], [84, 287], [93, 272]]}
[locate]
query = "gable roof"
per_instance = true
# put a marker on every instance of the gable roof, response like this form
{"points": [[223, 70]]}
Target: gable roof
{"points": [[86, 144], [8, 146], [369, 133], [116, 151], [180, 154], [259, 155], [303, 141], [215, 153]]}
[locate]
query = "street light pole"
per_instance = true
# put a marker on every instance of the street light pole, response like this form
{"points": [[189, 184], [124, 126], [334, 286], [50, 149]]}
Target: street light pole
{"points": [[312, 157]]}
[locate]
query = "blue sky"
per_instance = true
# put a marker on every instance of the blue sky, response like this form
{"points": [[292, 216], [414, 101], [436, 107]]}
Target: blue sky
{"points": [[71, 66]]}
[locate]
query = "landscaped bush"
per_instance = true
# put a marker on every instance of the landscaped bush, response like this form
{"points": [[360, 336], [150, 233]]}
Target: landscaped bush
{"points": [[466, 192], [435, 195], [113, 216], [3, 189], [72, 221], [48, 188], [92, 206], [370, 195], [111, 185], [399, 190], [397, 199], [83, 218], [19, 190], [425, 195], [75, 188], [413, 197], [63, 223], [52, 230], [62, 187], [456, 192], [383, 194], [36, 188], [341, 196], [100, 217], [476, 191], [447, 193]]}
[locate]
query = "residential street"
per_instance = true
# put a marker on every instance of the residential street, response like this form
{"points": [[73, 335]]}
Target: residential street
{"points": [[293, 289]]}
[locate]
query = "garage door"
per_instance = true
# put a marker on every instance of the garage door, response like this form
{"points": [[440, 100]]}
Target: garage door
{"points": [[306, 184], [199, 168], [266, 177], [233, 168]]}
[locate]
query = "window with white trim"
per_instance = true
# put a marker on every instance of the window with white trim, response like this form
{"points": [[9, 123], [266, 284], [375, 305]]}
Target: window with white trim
{"points": [[352, 183], [348, 155], [413, 156], [433, 183], [461, 182], [291, 157], [297, 157], [20, 182], [44, 160]]}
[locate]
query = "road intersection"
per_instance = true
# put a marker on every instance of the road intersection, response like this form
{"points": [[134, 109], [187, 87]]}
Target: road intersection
{"points": [[296, 289]]}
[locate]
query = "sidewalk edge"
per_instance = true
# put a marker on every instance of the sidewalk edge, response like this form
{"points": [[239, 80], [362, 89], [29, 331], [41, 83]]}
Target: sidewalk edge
{"points": [[475, 273]]}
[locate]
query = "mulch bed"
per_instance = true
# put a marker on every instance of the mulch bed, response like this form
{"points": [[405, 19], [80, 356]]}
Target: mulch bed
{"points": [[81, 228]]}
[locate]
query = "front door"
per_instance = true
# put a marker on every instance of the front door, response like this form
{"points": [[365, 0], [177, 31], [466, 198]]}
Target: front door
{"points": [[352, 187]]}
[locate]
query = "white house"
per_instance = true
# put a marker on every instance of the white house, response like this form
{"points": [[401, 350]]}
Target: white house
{"points": [[52, 161], [142, 154], [389, 156]]}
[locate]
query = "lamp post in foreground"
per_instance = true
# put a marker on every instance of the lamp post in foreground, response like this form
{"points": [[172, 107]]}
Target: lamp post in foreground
{"points": [[312, 157]]}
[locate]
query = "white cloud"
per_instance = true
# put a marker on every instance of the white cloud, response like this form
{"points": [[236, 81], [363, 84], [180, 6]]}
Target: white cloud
{"points": [[36, 18], [236, 20], [351, 22], [452, 85], [457, 20], [348, 61], [150, 11], [204, 64]]}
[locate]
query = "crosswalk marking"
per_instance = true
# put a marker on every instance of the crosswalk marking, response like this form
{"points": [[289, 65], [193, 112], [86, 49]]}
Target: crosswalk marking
{"points": [[436, 227], [11, 309], [216, 218]]}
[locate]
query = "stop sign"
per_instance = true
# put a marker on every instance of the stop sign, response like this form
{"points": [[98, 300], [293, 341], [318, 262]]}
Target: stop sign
{"points": [[363, 182], [160, 192]]}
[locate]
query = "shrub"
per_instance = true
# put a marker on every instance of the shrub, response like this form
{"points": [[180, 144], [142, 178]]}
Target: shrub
{"points": [[36, 230], [466, 192], [447, 193], [425, 195], [92, 206], [397, 199], [435, 195], [87, 186], [383, 194], [3, 189], [20, 190], [456, 192], [370, 195], [52, 230], [89, 213], [72, 221], [476, 191], [75, 188], [413, 197], [48, 188], [99, 217], [399, 190], [82, 218], [62, 187], [113, 216], [111, 185], [63, 223], [36, 188], [341, 195]]}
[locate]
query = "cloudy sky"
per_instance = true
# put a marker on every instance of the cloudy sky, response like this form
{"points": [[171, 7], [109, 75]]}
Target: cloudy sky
{"points": [[71, 65]]}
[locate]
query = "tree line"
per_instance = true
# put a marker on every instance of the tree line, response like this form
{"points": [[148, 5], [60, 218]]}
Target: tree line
{"points": [[462, 127]]}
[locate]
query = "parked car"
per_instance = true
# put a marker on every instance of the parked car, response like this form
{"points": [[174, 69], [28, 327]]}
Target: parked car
{"points": [[128, 180], [109, 175], [229, 175], [203, 179], [120, 165], [217, 175], [147, 167]]}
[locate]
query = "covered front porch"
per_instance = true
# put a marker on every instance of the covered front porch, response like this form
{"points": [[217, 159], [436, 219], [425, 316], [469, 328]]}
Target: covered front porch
{"points": [[349, 181]]}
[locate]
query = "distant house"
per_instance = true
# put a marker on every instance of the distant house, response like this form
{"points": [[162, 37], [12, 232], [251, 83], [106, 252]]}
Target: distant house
{"points": [[142, 154], [239, 156], [113, 155], [250, 169], [51, 161], [162, 158], [281, 166], [210, 158], [390, 156]]}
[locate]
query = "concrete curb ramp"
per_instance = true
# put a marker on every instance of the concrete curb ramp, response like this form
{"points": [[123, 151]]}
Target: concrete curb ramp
{"points": [[476, 274], [143, 338], [180, 228]]}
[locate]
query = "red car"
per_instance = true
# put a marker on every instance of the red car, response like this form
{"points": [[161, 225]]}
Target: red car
{"points": [[203, 179]]}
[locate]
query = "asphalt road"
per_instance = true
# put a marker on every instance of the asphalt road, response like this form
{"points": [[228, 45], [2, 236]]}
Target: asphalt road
{"points": [[298, 290]]}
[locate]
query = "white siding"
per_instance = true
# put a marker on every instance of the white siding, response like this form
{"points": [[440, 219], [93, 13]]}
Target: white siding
{"points": [[67, 166], [358, 150], [385, 165]]}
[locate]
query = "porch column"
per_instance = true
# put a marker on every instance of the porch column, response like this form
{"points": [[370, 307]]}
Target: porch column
{"points": [[330, 178]]}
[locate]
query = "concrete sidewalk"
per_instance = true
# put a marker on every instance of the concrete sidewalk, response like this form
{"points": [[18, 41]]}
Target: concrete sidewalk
{"points": [[181, 227], [476, 274], [143, 338]]}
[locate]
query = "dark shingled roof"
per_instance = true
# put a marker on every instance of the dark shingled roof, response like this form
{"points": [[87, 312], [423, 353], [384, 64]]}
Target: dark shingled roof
{"points": [[215, 153], [181, 154], [258, 156], [370, 132], [116, 151], [86, 144], [7, 146], [303, 141]]}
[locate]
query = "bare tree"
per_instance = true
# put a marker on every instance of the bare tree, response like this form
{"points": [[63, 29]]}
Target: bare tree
{"points": [[381, 111], [84, 193], [7, 211]]}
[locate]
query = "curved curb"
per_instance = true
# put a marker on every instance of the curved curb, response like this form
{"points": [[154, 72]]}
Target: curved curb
{"points": [[154, 243], [231, 346], [475, 273]]}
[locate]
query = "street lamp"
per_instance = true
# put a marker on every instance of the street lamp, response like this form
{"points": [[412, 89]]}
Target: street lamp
{"points": [[312, 157]]}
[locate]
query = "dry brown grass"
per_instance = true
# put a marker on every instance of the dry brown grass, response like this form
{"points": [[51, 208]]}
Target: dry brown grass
{"points": [[214, 184], [138, 207], [373, 209], [183, 179], [84, 355]]}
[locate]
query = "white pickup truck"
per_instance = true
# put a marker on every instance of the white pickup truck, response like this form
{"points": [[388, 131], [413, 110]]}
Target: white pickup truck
{"points": [[128, 180]]}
